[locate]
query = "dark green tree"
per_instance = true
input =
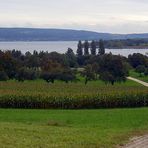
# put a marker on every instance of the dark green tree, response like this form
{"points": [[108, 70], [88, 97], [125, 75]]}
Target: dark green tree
{"points": [[138, 59], [3, 76], [80, 49], [71, 58], [86, 48], [56, 57], [8, 64], [26, 74], [67, 75], [93, 48], [32, 61], [112, 69], [88, 73], [101, 47], [49, 77]]}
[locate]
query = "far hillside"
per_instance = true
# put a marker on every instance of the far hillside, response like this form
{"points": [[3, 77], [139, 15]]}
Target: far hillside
{"points": [[40, 34]]}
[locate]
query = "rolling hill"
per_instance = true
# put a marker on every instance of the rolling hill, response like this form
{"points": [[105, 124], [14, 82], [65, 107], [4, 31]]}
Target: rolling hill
{"points": [[34, 34]]}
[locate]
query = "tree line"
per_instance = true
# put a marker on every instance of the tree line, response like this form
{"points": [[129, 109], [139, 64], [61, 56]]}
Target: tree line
{"points": [[65, 67], [90, 48], [126, 43]]}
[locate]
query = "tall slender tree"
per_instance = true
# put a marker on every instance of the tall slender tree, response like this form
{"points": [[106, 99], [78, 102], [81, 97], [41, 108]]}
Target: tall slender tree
{"points": [[86, 48], [101, 47], [93, 47], [80, 49]]}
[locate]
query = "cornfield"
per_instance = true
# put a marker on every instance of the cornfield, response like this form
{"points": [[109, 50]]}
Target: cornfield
{"points": [[38, 94]]}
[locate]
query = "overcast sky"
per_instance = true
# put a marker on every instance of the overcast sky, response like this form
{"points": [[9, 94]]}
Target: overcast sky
{"points": [[115, 16]]}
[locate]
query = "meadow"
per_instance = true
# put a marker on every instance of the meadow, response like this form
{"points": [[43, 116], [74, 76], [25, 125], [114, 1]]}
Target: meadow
{"points": [[40, 95], [107, 128], [138, 76]]}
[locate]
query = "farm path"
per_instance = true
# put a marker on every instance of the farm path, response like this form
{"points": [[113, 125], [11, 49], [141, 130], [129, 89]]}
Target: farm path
{"points": [[138, 142], [138, 81]]}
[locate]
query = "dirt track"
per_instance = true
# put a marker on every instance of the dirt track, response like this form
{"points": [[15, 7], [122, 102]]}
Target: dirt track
{"points": [[138, 142], [138, 81]]}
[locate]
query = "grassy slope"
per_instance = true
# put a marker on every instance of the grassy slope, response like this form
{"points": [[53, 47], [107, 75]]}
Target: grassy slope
{"points": [[70, 128], [136, 75]]}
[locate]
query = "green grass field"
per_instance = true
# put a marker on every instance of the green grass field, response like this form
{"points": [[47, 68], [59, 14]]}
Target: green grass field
{"points": [[137, 75], [70, 128]]}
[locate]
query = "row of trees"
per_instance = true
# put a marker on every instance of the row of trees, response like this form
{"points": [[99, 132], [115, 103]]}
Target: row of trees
{"points": [[55, 66], [49, 66], [126, 43], [90, 48]]}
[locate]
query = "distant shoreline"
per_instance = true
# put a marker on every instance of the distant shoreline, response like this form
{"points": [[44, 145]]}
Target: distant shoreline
{"points": [[29, 41], [130, 48]]}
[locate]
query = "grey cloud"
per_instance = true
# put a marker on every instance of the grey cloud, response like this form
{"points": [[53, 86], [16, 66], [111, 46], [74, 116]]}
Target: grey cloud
{"points": [[98, 15]]}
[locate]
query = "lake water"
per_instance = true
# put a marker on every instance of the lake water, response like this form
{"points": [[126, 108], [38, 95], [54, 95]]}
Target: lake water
{"points": [[59, 46]]}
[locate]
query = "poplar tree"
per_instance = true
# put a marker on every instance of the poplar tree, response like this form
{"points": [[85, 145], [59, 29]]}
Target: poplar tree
{"points": [[93, 48], [86, 48], [101, 47], [80, 49]]}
